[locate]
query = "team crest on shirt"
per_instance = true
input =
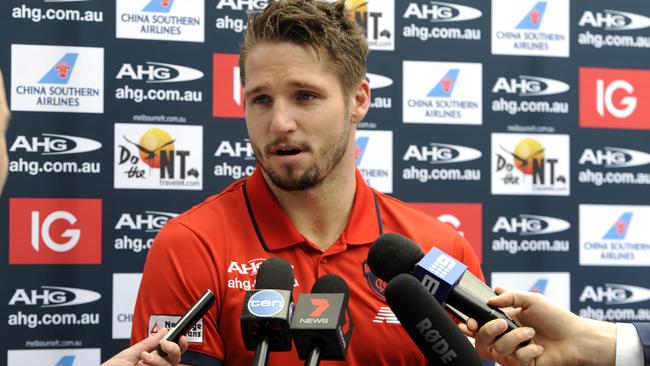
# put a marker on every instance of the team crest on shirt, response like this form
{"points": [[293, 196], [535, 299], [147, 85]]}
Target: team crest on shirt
{"points": [[377, 285], [157, 322]]}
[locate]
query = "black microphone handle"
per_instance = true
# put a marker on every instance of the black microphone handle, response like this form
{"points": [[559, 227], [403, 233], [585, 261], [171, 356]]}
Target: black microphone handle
{"points": [[463, 300], [313, 359], [262, 352]]}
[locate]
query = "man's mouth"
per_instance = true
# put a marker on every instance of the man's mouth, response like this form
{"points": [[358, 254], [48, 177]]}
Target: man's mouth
{"points": [[286, 150]]}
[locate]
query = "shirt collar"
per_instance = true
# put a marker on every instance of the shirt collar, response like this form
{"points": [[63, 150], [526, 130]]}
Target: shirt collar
{"points": [[276, 230]]}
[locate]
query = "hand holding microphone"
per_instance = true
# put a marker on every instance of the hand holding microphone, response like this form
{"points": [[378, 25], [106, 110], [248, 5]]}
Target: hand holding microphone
{"points": [[446, 278]]}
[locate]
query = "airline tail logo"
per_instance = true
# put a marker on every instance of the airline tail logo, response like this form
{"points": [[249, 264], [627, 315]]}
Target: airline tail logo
{"points": [[360, 148], [539, 286], [61, 71], [619, 228], [228, 95], [533, 19], [445, 86], [65, 361], [158, 6]]}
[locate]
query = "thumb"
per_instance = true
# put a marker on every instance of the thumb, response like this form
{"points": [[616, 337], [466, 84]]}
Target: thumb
{"points": [[150, 343]]}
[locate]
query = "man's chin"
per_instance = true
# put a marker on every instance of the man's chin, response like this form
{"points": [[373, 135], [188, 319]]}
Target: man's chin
{"points": [[295, 182]]}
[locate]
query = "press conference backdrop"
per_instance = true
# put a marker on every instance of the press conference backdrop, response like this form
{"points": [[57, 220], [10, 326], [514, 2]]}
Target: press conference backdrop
{"points": [[523, 123]]}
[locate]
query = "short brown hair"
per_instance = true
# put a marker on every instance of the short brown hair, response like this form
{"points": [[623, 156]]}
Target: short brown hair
{"points": [[324, 26]]}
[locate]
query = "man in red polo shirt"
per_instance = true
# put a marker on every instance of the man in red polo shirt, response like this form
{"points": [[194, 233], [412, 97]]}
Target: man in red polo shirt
{"points": [[303, 70]]}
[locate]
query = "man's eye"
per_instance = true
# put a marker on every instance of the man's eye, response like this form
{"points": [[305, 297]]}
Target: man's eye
{"points": [[261, 99], [306, 96]]}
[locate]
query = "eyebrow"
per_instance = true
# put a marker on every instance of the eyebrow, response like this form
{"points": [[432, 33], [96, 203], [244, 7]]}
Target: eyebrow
{"points": [[295, 84]]}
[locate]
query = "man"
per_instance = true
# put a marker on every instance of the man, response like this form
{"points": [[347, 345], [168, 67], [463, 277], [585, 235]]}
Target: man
{"points": [[142, 353], [303, 71], [560, 337]]}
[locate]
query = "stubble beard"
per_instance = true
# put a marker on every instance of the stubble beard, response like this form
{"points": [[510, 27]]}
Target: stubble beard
{"points": [[292, 179]]}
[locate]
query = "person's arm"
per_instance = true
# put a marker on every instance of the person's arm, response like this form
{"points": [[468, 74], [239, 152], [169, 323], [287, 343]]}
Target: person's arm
{"points": [[144, 352], [5, 115], [558, 337]]}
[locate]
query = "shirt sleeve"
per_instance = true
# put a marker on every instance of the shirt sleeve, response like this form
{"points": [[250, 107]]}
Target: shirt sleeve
{"points": [[629, 351], [178, 270]]}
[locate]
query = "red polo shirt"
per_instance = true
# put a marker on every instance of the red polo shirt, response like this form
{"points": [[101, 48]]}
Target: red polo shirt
{"points": [[220, 243]]}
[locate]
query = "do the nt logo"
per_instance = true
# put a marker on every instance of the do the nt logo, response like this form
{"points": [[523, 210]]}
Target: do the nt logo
{"points": [[54, 231]]}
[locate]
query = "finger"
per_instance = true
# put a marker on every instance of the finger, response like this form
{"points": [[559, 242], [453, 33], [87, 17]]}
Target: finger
{"points": [[183, 343], [472, 325], [509, 342], [463, 328], [490, 331], [515, 299], [526, 355], [173, 351]]}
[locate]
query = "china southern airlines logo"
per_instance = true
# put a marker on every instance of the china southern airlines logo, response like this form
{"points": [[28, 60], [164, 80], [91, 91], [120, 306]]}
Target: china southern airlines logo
{"points": [[539, 286], [360, 148], [445, 86], [159, 6], [533, 19], [61, 71], [618, 230], [65, 361]]}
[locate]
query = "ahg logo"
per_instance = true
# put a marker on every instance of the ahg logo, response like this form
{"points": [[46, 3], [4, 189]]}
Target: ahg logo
{"points": [[614, 98], [54, 231]]}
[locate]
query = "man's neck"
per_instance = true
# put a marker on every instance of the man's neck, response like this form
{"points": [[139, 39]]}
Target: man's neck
{"points": [[320, 213]]}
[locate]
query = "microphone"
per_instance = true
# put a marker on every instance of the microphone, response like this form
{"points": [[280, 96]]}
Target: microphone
{"points": [[322, 325], [428, 325], [443, 276], [267, 310]]}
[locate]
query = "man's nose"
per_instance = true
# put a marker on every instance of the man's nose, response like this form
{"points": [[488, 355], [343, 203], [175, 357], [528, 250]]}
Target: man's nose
{"points": [[282, 119]]}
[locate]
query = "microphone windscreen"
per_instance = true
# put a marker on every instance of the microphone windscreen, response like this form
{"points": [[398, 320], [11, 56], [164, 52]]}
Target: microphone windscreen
{"points": [[393, 254], [433, 331], [274, 273], [331, 284]]}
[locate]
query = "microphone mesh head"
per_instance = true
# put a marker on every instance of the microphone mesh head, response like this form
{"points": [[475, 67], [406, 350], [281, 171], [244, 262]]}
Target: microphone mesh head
{"points": [[274, 273], [331, 284], [392, 254]]}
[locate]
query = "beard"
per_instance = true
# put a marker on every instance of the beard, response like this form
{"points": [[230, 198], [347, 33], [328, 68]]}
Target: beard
{"points": [[296, 179]]}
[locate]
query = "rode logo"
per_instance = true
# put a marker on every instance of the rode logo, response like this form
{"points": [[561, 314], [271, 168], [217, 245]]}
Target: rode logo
{"points": [[614, 157], [54, 231], [158, 72], [530, 225], [437, 11], [614, 98], [529, 86], [320, 306], [54, 144], [228, 96], [613, 20], [53, 296]]}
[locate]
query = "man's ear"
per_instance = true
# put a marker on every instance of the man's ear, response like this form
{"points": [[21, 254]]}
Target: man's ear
{"points": [[360, 101]]}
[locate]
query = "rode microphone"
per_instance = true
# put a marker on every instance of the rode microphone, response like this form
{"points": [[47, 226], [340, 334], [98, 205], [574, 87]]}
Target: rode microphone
{"points": [[322, 325], [443, 276], [429, 326], [267, 310]]}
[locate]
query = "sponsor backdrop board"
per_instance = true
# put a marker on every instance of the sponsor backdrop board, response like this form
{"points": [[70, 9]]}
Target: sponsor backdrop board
{"points": [[523, 124]]}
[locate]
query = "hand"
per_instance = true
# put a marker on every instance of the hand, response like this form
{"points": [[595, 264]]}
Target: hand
{"points": [[558, 337], [144, 352], [4, 124]]}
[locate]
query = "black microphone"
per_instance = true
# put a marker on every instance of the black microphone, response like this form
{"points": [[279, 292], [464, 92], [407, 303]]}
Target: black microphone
{"points": [[267, 310], [322, 325], [446, 278], [429, 326]]}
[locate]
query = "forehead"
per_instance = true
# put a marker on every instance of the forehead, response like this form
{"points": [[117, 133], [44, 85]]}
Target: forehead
{"points": [[284, 61]]}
